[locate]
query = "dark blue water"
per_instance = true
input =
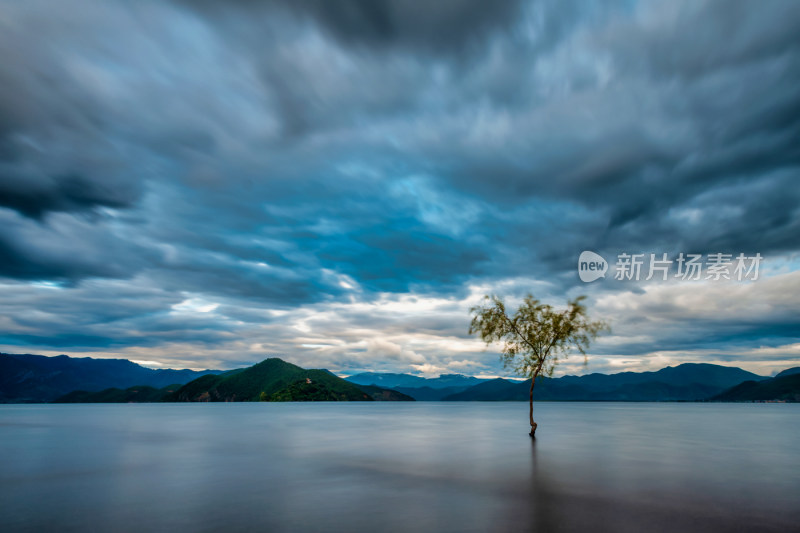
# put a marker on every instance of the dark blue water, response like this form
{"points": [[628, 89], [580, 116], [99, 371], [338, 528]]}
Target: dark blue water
{"points": [[400, 467]]}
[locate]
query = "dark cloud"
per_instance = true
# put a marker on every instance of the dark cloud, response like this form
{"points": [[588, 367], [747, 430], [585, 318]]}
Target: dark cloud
{"points": [[66, 249], [432, 27], [68, 193], [267, 162], [60, 148]]}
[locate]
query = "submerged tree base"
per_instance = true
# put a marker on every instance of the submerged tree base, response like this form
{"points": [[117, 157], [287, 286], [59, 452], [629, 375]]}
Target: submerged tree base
{"points": [[533, 430]]}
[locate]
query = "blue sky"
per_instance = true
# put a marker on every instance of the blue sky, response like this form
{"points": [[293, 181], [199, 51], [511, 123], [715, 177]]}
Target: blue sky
{"points": [[205, 184]]}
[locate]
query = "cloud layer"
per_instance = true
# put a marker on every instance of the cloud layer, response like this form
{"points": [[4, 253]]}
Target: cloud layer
{"points": [[202, 184]]}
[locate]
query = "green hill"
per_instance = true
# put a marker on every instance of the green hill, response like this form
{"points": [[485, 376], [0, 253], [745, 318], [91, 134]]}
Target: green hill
{"points": [[270, 380]]}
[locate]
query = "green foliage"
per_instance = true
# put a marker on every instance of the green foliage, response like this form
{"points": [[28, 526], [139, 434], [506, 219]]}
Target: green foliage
{"points": [[536, 336], [303, 391], [324, 386]]}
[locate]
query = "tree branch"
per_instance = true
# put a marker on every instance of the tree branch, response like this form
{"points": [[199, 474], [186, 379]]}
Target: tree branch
{"points": [[520, 335]]}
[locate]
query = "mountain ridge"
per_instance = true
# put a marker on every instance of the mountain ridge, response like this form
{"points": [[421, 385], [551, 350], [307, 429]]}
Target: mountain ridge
{"points": [[394, 380], [271, 380], [34, 378], [782, 388], [29, 378], [685, 382]]}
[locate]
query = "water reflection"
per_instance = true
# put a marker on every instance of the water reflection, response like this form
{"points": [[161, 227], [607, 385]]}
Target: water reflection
{"points": [[393, 467]]}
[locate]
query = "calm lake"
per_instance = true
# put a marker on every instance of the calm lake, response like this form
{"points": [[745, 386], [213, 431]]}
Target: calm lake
{"points": [[413, 467]]}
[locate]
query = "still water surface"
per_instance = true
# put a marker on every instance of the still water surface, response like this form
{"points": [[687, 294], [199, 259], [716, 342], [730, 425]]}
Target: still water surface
{"points": [[414, 467]]}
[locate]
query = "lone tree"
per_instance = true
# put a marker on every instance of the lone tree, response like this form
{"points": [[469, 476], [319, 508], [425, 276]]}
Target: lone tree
{"points": [[536, 336]]}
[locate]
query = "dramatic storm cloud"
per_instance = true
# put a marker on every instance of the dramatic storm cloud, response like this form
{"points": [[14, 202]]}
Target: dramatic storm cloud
{"points": [[203, 184]]}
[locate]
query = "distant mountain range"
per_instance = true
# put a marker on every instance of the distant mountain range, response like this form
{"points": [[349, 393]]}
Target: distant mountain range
{"points": [[783, 387], [406, 380], [788, 372], [422, 389], [686, 382], [37, 378]]}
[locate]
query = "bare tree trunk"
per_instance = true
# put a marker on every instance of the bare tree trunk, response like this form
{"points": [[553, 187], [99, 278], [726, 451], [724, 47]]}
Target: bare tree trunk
{"points": [[530, 403], [542, 359]]}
